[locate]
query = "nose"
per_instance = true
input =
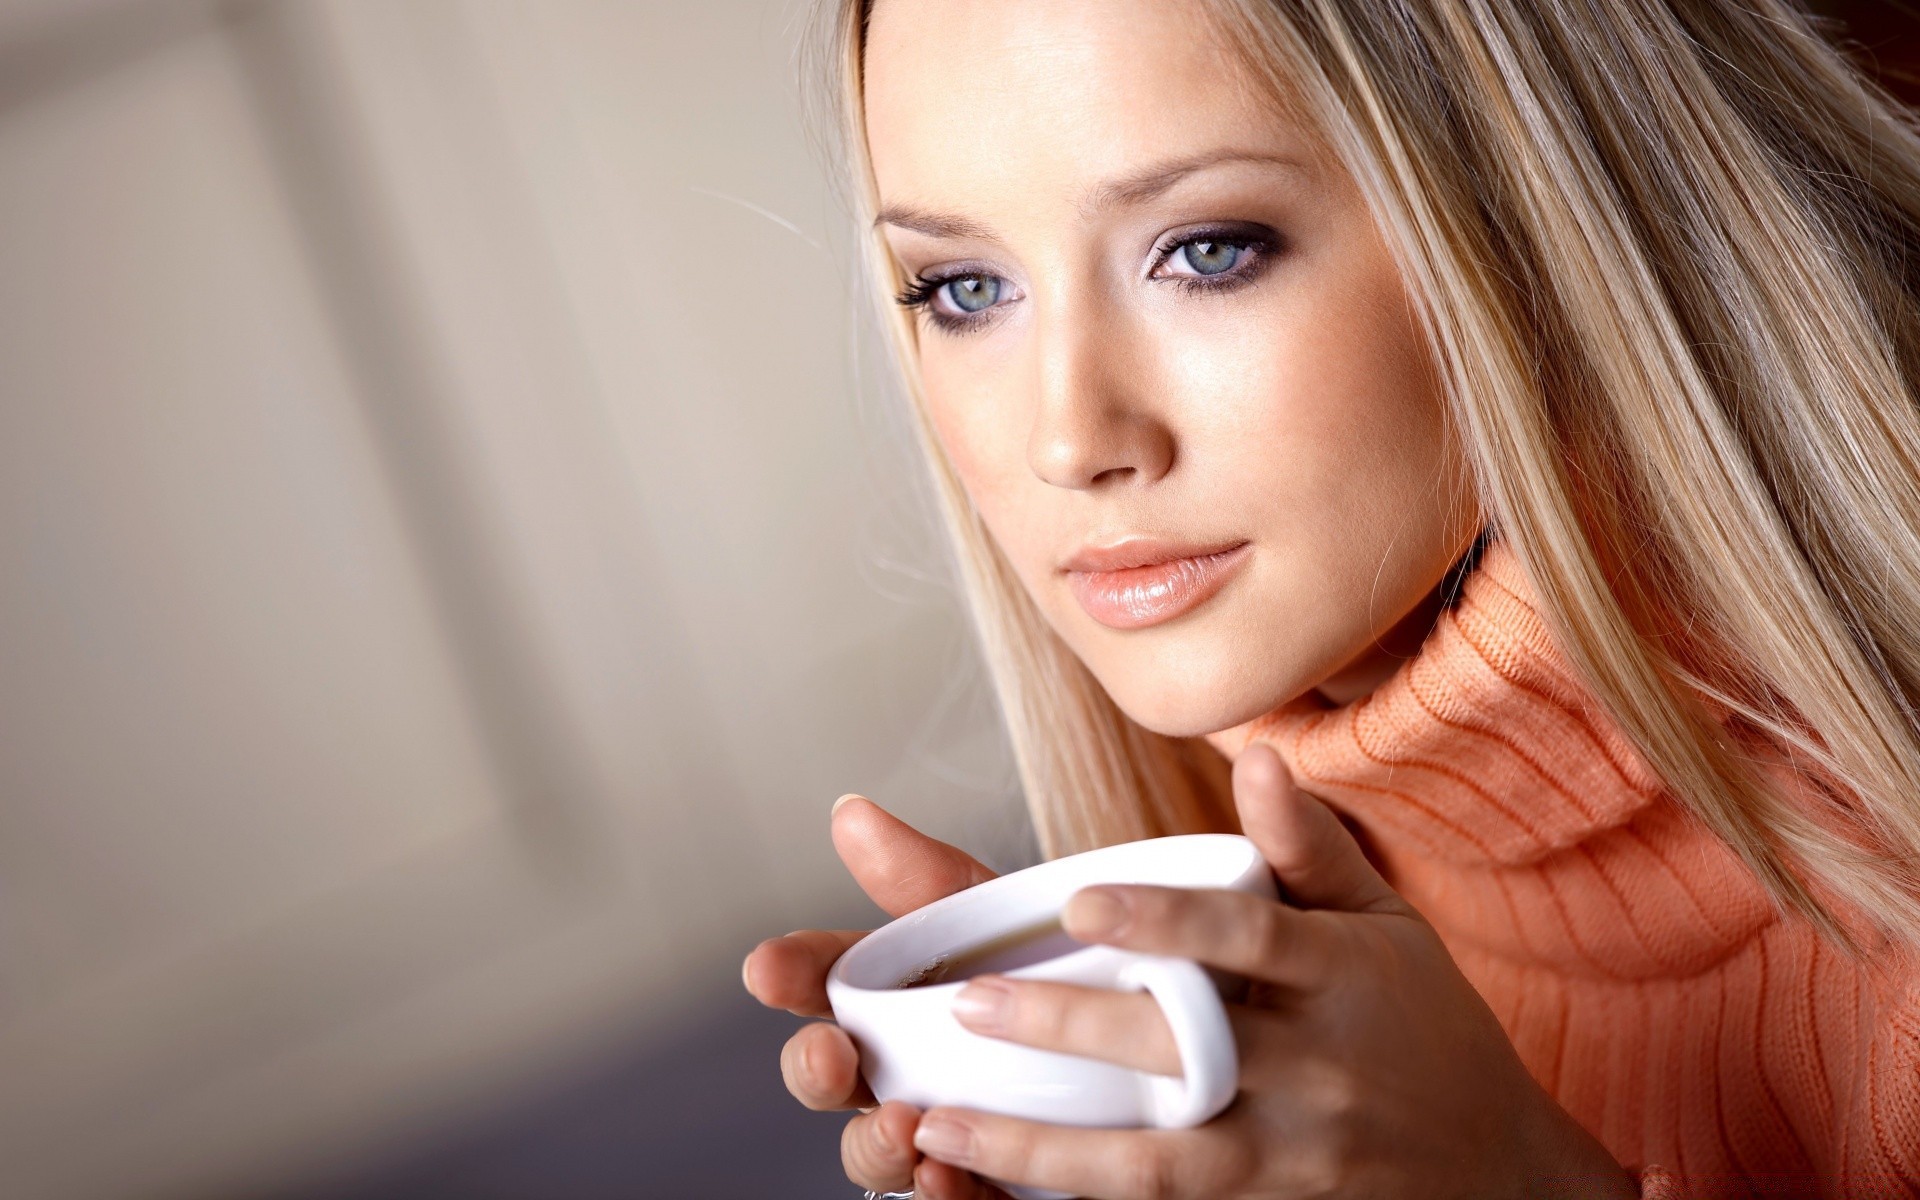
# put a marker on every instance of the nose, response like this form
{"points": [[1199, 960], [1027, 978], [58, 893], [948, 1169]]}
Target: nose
{"points": [[1093, 422]]}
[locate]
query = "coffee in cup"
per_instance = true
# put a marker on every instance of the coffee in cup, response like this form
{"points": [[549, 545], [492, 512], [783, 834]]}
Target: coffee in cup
{"points": [[1010, 951]]}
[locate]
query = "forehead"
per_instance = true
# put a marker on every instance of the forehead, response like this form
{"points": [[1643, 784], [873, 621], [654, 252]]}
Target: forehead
{"points": [[976, 104]]}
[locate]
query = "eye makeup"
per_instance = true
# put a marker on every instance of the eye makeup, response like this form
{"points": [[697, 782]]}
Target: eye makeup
{"points": [[1252, 248], [956, 300], [963, 297]]}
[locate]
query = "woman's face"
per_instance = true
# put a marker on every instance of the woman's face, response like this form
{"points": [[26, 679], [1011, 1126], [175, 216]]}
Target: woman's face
{"points": [[1155, 324]]}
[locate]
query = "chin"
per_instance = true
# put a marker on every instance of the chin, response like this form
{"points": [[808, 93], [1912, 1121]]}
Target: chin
{"points": [[1195, 701], [1210, 671]]}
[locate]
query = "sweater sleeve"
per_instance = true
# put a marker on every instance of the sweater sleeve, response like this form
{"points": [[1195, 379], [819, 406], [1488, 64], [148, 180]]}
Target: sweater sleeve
{"points": [[1658, 1183]]}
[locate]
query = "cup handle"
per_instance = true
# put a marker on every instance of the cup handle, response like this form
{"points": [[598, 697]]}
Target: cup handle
{"points": [[1209, 1059]]}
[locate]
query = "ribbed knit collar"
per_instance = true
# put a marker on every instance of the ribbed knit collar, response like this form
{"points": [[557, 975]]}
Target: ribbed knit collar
{"points": [[1499, 797]]}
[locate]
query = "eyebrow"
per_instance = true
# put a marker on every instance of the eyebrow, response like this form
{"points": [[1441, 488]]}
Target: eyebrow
{"points": [[1145, 185], [933, 224], [1137, 188]]}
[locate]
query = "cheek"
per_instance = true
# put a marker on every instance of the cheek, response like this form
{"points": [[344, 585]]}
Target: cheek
{"points": [[962, 430], [1320, 411], [1316, 427], [984, 437]]}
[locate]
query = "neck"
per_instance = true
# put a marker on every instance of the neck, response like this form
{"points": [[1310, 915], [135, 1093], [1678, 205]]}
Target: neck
{"points": [[1360, 675], [1377, 663]]}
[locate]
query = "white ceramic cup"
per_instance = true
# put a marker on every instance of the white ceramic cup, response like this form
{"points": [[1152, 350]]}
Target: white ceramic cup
{"points": [[912, 1047]]}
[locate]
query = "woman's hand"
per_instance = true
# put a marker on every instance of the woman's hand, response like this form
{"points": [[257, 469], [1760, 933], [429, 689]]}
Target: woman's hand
{"points": [[901, 869], [1369, 1066]]}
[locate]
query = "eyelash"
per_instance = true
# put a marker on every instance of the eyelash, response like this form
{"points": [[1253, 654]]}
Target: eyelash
{"points": [[919, 293], [1262, 244]]}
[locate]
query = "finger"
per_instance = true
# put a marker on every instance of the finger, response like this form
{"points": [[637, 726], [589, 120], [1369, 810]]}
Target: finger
{"points": [[1316, 858], [1236, 931], [1120, 1027], [899, 867], [876, 1148], [935, 1180], [822, 1069], [1126, 1028], [1114, 1164], [790, 971]]}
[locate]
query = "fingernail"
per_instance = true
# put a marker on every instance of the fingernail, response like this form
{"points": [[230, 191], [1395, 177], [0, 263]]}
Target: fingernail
{"points": [[1095, 912], [746, 972], [982, 1004], [945, 1139], [839, 802]]}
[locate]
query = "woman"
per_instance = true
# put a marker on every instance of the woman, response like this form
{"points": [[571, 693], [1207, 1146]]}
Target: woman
{"points": [[1490, 426]]}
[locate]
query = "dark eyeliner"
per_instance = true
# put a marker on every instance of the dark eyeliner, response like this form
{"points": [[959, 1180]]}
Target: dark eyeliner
{"points": [[1263, 242], [919, 293]]}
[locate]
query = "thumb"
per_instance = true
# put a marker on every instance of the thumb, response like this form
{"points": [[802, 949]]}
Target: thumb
{"points": [[898, 867], [1315, 857]]}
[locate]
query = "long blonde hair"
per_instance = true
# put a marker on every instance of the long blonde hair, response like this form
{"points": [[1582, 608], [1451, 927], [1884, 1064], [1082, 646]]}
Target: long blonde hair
{"points": [[1663, 252]]}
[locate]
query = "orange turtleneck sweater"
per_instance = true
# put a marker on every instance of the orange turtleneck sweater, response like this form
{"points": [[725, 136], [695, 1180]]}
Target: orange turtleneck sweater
{"points": [[1712, 1045]]}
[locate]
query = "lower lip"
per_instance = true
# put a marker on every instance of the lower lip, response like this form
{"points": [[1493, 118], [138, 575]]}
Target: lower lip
{"points": [[1140, 596]]}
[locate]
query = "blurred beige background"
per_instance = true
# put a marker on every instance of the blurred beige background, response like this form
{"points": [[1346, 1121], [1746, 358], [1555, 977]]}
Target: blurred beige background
{"points": [[455, 543]]}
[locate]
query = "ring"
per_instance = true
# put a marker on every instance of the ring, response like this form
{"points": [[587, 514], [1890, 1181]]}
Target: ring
{"points": [[873, 1195]]}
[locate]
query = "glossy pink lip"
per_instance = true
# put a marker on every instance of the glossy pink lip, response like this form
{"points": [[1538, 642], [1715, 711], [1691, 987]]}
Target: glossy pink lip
{"points": [[1143, 582]]}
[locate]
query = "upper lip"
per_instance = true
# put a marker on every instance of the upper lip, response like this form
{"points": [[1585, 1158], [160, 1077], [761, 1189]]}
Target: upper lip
{"points": [[1142, 552]]}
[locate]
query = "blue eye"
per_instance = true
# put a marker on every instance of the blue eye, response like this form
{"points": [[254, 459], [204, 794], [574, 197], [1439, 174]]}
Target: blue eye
{"points": [[1221, 257], [958, 302], [1208, 257], [971, 293]]}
